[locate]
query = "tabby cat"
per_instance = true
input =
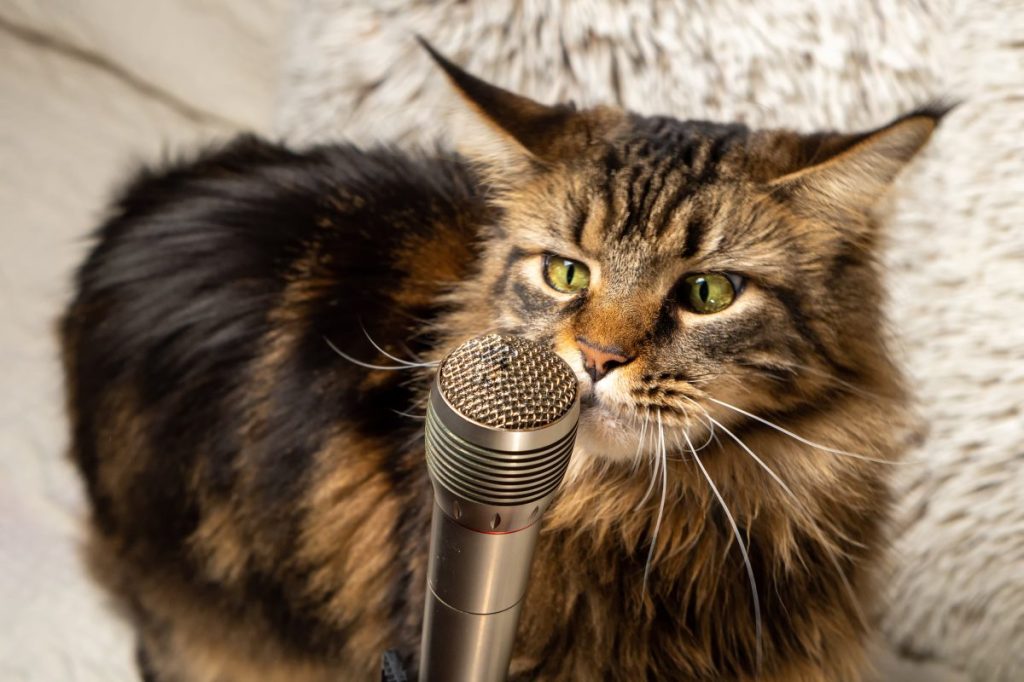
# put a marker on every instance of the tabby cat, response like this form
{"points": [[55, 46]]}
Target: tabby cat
{"points": [[253, 336]]}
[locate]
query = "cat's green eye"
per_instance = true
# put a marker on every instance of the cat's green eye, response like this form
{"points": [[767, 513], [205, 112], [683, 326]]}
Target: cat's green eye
{"points": [[567, 276], [708, 292]]}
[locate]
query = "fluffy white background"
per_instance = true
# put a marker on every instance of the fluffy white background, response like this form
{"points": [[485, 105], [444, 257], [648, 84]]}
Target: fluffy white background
{"points": [[956, 233], [88, 90]]}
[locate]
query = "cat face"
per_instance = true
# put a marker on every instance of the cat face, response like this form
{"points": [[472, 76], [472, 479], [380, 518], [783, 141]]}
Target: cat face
{"points": [[689, 272]]}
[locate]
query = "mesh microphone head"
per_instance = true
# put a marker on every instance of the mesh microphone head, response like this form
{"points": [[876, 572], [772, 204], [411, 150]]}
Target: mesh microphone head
{"points": [[501, 423], [507, 383]]}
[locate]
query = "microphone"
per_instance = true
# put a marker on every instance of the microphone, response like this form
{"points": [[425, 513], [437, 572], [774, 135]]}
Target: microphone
{"points": [[501, 425]]}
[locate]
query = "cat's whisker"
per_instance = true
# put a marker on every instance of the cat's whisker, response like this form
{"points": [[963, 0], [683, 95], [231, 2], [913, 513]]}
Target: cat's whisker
{"points": [[413, 334], [640, 442], [415, 437], [677, 446], [817, 446], [661, 507], [367, 365], [743, 550], [801, 507], [791, 367], [711, 428], [414, 355], [650, 486], [392, 357], [796, 500], [654, 475], [757, 459], [409, 415], [678, 443]]}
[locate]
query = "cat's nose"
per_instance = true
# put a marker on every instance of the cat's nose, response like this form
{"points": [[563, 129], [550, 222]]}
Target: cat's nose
{"points": [[598, 360]]}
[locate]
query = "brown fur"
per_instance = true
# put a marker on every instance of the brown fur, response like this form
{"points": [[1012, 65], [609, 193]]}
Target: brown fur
{"points": [[261, 508]]}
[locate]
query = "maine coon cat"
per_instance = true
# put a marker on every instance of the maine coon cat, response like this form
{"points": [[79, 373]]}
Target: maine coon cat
{"points": [[253, 337]]}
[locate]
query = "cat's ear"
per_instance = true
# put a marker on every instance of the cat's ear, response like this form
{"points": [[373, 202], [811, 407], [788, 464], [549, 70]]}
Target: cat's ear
{"points": [[850, 173], [516, 133]]}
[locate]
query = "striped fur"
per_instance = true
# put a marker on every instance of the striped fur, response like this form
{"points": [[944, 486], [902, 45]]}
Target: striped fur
{"points": [[260, 503]]}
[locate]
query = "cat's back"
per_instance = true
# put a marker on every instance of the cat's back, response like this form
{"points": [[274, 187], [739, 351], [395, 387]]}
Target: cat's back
{"points": [[233, 224], [200, 345], [202, 265]]}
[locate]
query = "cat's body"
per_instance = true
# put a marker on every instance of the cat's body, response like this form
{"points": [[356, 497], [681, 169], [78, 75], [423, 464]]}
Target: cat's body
{"points": [[217, 401], [261, 503]]}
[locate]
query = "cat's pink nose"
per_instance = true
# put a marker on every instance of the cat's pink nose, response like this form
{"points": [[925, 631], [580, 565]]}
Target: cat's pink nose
{"points": [[598, 360]]}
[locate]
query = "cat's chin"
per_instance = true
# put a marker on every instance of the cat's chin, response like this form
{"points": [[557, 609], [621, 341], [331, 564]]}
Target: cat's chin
{"points": [[604, 435]]}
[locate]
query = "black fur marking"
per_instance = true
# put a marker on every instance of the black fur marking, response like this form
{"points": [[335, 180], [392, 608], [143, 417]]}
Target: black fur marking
{"points": [[531, 301], [296, 623], [408, 474], [782, 378], [842, 263], [578, 223], [639, 212], [684, 191], [628, 217], [792, 303], [694, 235], [146, 671], [665, 324], [500, 287]]}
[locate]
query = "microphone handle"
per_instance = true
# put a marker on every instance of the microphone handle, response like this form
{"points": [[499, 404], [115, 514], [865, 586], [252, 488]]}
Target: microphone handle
{"points": [[475, 587]]}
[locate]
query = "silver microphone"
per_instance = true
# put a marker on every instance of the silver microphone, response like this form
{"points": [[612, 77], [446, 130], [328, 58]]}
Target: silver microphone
{"points": [[501, 424]]}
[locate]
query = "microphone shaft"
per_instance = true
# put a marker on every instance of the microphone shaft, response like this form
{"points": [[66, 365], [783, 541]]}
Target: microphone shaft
{"points": [[501, 424], [476, 582]]}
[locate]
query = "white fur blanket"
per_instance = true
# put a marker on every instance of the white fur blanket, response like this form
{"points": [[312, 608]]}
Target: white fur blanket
{"points": [[956, 251]]}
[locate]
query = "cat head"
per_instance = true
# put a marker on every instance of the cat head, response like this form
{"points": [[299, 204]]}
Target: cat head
{"points": [[686, 270]]}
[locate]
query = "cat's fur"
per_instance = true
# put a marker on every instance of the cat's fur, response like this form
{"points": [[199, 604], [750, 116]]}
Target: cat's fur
{"points": [[261, 504]]}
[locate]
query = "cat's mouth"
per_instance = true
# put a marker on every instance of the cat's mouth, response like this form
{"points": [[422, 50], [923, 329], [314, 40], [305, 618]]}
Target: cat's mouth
{"points": [[604, 432], [608, 430], [611, 430], [613, 426]]}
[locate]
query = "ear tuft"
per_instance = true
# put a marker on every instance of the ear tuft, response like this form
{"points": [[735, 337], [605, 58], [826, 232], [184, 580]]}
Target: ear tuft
{"points": [[935, 110]]}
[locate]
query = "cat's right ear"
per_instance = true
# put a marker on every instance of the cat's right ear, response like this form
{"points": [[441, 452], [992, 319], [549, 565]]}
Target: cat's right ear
{"points": [[515, 134], [848, 174]]}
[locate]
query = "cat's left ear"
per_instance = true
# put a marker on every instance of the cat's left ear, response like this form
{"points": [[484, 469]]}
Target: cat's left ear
{"points": [[518, 134], [847, 174]]}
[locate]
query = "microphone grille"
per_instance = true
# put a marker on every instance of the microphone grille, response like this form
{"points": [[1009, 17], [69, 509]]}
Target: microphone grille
{"points": [[507, 382]]}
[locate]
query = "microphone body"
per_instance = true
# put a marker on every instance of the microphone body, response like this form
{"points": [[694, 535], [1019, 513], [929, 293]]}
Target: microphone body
{"points": [[501, 425]]}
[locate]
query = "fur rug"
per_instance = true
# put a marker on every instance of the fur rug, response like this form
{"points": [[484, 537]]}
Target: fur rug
{"points": [[956, 251]]}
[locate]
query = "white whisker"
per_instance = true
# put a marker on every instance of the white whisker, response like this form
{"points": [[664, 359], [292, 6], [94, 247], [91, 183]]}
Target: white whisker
{"points": [[392, 357], [743, 551], [415, 437], [711, 428], [654, 471], [640, 443], [409, 415], [803, 440], [678, 441], [367, 365], [852, 388], [661, 507], [759, 461], [796, 501], [414, 355]]}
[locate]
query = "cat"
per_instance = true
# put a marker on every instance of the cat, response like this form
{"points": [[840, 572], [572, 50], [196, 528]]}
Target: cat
{"points": [[253, 335]]}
